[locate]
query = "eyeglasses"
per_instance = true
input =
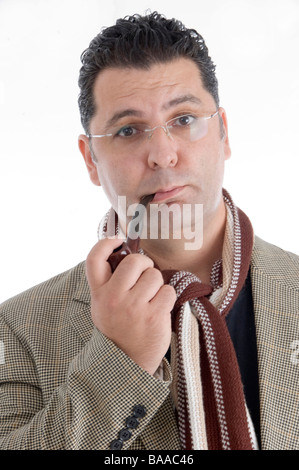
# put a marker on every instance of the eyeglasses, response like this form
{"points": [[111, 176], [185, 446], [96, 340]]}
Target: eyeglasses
{"points": [[187, 128]]}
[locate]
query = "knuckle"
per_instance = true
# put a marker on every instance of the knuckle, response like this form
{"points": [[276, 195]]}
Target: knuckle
{"points": [[136, 260], [90, 258], [156, 275], [170, 293]]}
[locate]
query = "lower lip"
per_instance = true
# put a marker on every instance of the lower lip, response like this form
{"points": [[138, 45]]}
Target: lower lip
{"points": [[164, 195]]}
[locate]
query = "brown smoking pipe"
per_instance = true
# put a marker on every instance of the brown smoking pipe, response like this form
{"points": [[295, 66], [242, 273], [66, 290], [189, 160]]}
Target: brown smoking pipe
{"points": [[131, 245]]}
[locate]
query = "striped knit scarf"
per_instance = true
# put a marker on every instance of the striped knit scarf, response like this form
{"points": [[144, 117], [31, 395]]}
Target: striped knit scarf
{"points": [[207, 388]]}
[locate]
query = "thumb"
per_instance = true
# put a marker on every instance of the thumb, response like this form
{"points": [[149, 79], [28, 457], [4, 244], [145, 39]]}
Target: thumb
{"points": [[98, 270]]}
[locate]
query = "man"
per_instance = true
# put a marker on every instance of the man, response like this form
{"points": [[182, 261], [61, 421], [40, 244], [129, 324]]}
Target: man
{"points": [[176, 348]]}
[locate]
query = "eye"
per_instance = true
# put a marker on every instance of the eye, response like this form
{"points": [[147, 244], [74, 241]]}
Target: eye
{"points": [[184, 121], [126, 131]]}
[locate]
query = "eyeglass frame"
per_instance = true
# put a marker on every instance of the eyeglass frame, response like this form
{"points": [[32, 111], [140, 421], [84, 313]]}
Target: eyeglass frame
{"points": [[164, 127]]}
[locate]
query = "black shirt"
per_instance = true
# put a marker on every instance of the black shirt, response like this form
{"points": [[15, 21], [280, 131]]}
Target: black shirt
{"points": [[241, 326]]}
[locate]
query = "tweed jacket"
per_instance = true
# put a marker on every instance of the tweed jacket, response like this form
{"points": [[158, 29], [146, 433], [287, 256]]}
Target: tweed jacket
{"points": [[64, 385]]}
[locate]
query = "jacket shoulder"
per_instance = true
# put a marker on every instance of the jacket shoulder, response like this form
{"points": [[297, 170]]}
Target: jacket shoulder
{"points": [[272, 261]]}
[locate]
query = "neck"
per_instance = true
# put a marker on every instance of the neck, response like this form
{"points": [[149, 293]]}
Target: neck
{"points": [[172, 254]]}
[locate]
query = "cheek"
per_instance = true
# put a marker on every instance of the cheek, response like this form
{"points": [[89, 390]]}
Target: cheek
{"points": [[216, 173], [110, 180], [215, 157], [117, 179], [209, 166]]}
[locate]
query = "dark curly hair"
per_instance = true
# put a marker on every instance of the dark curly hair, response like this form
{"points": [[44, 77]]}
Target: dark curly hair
{"points": [[141, 41]]}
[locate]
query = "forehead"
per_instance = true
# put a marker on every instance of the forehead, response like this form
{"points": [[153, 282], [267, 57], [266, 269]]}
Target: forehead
{"points": [[150, 90]]}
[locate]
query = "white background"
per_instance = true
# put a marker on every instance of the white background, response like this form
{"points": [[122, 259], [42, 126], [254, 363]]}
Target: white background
{"points": [[49, 209]]}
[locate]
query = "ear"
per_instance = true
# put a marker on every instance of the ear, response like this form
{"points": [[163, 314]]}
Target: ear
{"points": [[226, 145], [84, 147]]}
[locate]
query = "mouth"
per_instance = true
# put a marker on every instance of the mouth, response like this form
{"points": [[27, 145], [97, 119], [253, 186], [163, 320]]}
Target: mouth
{"points": [[167, 193]]}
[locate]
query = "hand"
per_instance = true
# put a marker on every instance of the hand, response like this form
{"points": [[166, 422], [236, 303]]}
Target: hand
{"points": [[131, 306]]}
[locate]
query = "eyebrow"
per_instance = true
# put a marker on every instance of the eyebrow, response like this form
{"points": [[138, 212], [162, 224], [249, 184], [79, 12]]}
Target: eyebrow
{"points": [[121, 114], [182, 99], [137, 113]]}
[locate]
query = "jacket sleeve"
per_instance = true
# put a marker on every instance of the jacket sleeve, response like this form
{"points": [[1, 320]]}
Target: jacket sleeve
{"points": [[88, 410]]}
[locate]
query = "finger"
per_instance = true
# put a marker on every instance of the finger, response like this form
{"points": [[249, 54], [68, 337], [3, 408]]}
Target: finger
{"points": [[165, 298], [148, 285], [129, 271], [98, 269]]}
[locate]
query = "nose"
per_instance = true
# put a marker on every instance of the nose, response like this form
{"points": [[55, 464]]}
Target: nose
{"points": [[162, 152]]}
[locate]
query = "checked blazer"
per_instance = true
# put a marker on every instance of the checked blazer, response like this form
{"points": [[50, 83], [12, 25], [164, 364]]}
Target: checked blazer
{"points": [[64, 385]]}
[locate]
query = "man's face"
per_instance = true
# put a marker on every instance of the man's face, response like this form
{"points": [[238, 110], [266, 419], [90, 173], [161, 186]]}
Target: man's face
{"points": [[181, 172]]}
